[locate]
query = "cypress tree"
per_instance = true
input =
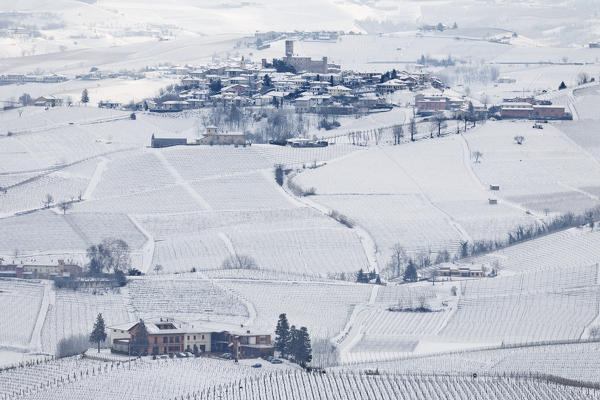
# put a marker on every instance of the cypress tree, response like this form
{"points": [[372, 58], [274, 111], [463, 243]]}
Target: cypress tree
{"points": [[292, 345], [282, 333], [98, 334], [304, 352], [410, 274]]}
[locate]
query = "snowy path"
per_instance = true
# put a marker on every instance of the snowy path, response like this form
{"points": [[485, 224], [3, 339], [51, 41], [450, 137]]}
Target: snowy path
{"points": [[35, 343], [182, 182], [223, 236], [147, 249], [91, 187], [354, 329]]}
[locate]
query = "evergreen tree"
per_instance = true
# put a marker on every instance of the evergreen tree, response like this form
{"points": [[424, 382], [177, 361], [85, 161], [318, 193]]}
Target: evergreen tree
{"points": [[292, 344], [140, 340], [267, 81], [84, 96], [98, 334], [282, 335], [410, 274], [562, 86], [304, 351], [331, 80], [360, 278]]}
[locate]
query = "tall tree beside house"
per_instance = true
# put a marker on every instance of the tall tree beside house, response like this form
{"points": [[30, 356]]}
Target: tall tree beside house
{"points": [[292, 344], [331, 80], [303, 353], [282, 335], [410, 273], [85, 97], [267, 82], [140, 343], [98, 334], [215, 86]]}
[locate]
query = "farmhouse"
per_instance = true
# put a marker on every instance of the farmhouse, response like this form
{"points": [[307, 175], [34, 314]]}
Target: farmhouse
{"points": [[459, 272], [163, 335], [37, 271], [48, 101], [535, 111], [167, 335], [212, 136]]}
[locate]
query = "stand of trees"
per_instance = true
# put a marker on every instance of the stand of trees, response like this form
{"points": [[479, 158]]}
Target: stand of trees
{"points": [[293, 343]]}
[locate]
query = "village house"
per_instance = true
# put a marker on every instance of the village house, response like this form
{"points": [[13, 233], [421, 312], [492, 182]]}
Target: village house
{"points": [[338, 90], [390, 86]]}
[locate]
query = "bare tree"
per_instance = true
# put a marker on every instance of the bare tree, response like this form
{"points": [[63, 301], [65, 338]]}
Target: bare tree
{"points": [[157, 269], [397, 260], [432, 128], [398, 133], [582, 78], [48, 200], [412, 128], [440, 122], [64, 206], [119, 252], [239, 262], [477, 155], [519, 139]]}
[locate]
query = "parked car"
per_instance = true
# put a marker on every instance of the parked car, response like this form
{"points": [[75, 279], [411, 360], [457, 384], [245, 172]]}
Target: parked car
{"points": [[179, 355], [257, 365], [276, 361], [226, 356]]}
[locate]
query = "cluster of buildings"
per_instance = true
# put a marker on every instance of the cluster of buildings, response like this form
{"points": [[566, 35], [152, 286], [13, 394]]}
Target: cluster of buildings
{"points": [[40, 271], [315, 86], [11, 79], [166, 335]]}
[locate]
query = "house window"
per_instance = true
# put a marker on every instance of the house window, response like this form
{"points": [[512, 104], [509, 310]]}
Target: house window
{"points": [[194, 337], [202, 337], [165, 340], [171, 339], [155, 340], [176, 339], [189, 337]]}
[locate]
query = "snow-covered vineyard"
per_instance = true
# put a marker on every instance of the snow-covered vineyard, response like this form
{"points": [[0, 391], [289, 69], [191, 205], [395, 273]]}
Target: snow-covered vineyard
{"points": [[355, 200], [214, 379]]}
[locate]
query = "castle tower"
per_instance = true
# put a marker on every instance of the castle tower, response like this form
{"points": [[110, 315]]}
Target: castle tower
{"points": [[289, 48]]}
